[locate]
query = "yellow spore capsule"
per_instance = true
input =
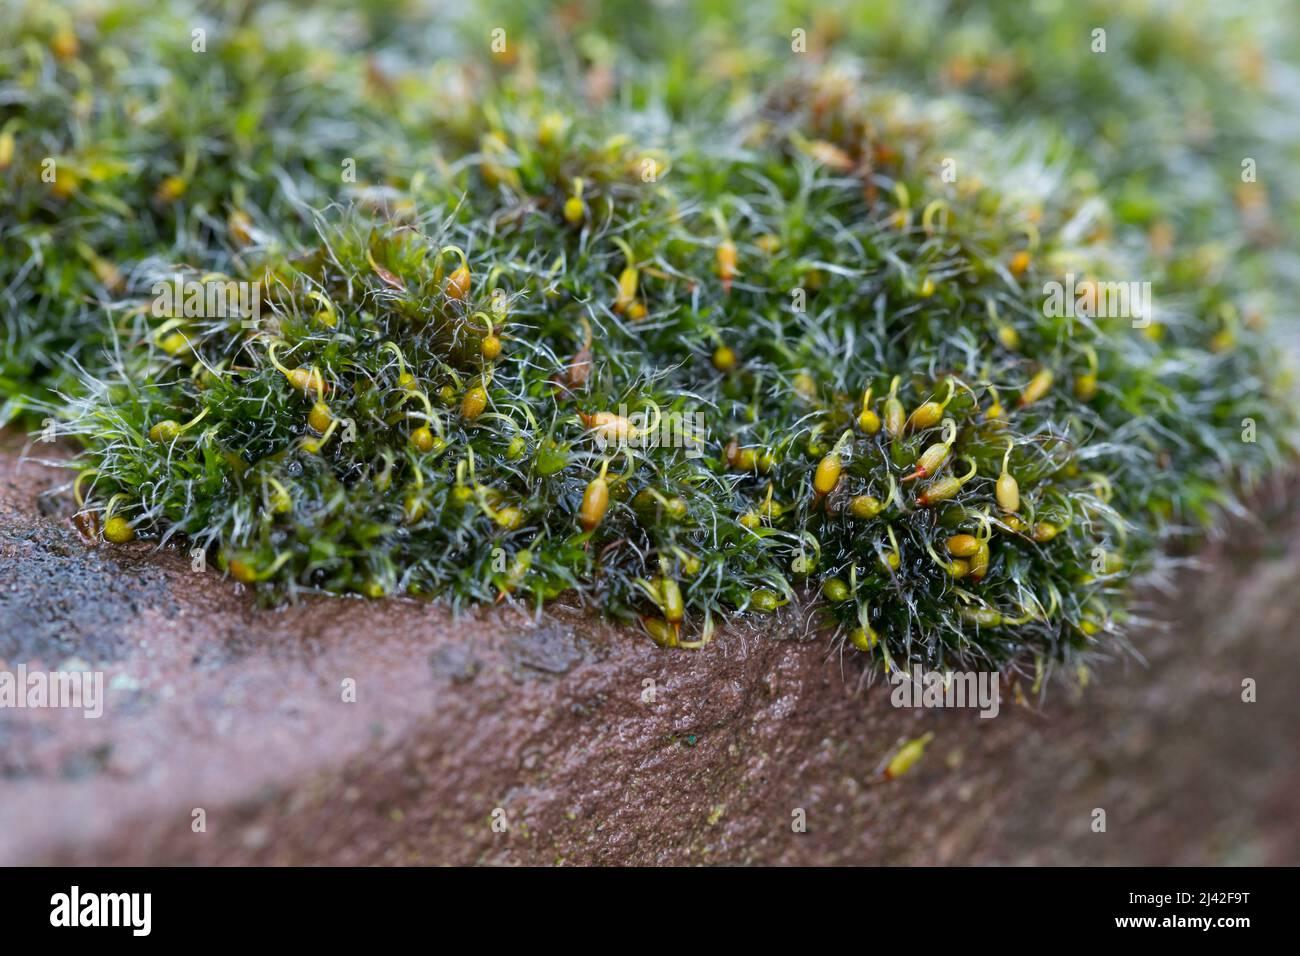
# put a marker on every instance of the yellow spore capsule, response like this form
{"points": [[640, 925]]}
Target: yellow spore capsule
{"points": [[241, 571], [1007, 489], [928, 414], [724, 358], [1038, 387], [741, 459], [981, 616], [932, 458], [727, 263], [174, 343], [1044, 531], [944, 488], [1085, 385], [835, 590], [963, 545], [64, 44], [828, 474], [892, 559], [575, 210], [320, 417], [165, 431], [170, 189], [490, 348], [868, 420], [240, 227], [510, 518], [865, 507], [628, 280], [306, 380], [1014, 523], [595, 500], [458, 283], [551, 129], [907, 756], [118, 530], [609, 426], [864, 638], [671, 600], [895, 416], [829, 469], [413, 508], [66, 183], [473, 403], [995, 412], [422, 439], [660, 631]]}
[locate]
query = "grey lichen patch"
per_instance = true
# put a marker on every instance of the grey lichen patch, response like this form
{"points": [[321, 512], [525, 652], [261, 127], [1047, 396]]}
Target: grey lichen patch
{"points": [[553, 648], [454, 662], [61, 599]]}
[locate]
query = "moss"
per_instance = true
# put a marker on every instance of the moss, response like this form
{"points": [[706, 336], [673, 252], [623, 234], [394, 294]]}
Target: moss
{"points": [[461, 376]]}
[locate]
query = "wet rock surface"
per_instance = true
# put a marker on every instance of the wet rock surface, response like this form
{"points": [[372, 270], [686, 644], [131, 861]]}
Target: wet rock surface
{"points": [[353, 732]]}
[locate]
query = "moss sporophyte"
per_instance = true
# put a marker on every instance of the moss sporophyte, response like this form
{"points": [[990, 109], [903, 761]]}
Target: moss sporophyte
{"points": [[455, 376]]}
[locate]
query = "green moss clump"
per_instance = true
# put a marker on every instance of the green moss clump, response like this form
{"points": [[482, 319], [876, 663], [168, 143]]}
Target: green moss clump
{"points": [[682, 356]]}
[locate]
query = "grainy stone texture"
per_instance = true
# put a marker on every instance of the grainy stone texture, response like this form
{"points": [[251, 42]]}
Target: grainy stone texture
{"points": [[216, 704]]}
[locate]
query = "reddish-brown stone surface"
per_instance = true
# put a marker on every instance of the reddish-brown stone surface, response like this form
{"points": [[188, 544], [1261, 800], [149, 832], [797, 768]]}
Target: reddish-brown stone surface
{"points": [[214, 703]]}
